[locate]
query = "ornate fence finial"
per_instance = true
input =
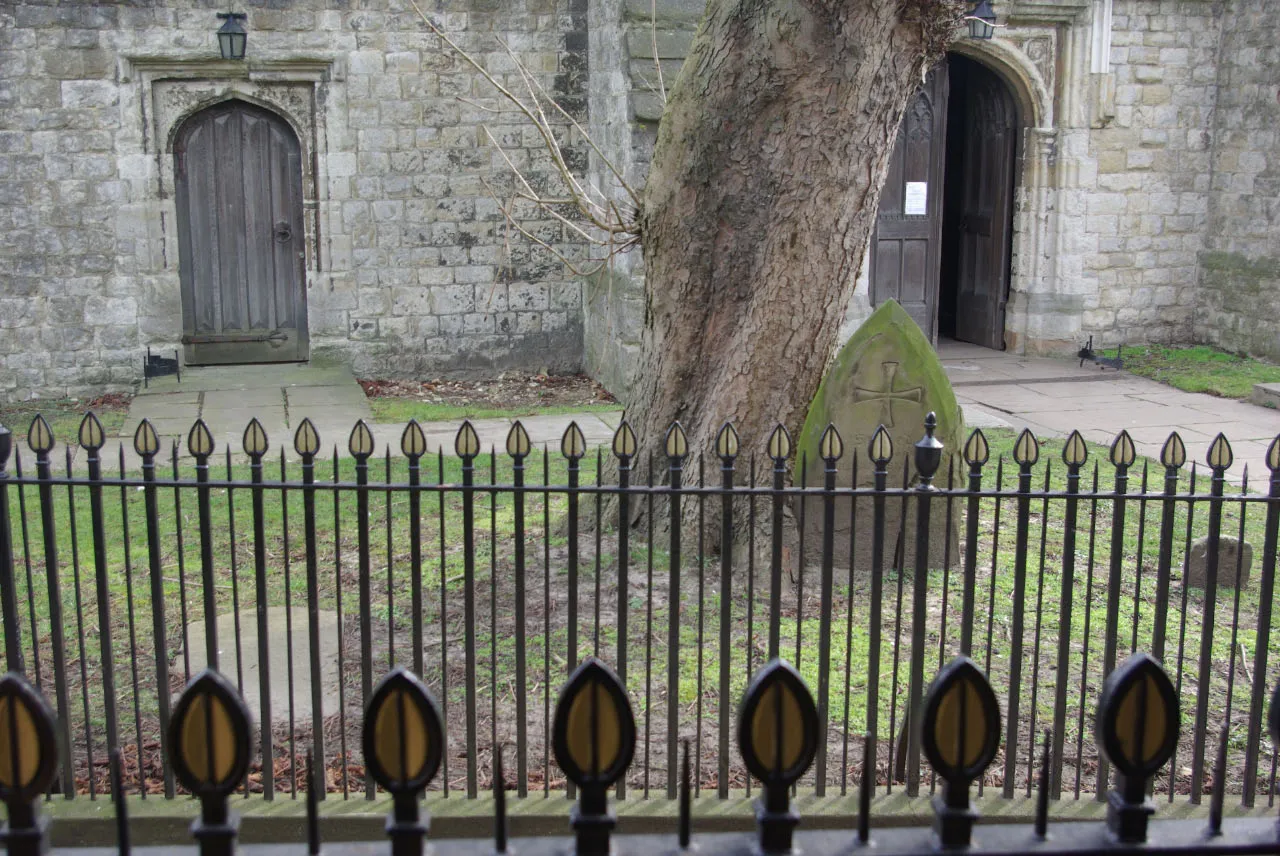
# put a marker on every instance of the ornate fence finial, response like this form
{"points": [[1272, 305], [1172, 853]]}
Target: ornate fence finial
{"points": [[594, 739], [960, 734], [211, 741], [403, 742], [1137, 731], [28, 762], [778, 738]]}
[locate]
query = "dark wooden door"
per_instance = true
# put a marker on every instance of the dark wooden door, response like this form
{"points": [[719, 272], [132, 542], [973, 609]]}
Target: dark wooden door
{"points": [[986, 210], [906, 246], [241, 237]]}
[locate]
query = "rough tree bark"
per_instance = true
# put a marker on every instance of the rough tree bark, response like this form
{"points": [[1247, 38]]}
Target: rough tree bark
{"points": [[760, 200]]}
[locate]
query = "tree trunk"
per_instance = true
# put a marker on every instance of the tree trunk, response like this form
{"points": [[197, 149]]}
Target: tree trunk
{"points": [[760, 200]]}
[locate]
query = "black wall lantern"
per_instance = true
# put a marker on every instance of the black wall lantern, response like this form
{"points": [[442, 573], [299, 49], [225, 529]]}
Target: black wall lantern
{"points": [[982, 21], [232, 35]]}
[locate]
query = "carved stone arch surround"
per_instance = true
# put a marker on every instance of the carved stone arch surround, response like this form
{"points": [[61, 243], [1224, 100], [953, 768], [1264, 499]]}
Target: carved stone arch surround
{"points": [[170, 91]]}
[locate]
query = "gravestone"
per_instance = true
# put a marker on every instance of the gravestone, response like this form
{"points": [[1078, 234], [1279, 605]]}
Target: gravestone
{"points": [[886, 374], [278, 622], [1235, 560]]}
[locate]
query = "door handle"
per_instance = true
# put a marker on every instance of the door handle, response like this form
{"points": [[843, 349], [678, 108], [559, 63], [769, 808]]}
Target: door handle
{"points": [[283, 232]]}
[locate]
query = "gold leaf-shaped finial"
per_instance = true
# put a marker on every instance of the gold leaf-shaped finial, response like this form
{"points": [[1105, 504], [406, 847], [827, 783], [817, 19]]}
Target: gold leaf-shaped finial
{"points": [[961, 722], [92, 436], [1174, 453], [210, 735], [880, 449], [40, 436], [778, 725], [1220, 455], [1137, 721], [572, 444], [403, 735], [677, 443], [1123, 453], [624, 441], [594, 729], [831, 444], [413, 443], [976, 449], [1076, 451], [1273, 454], [306, 440], [780, 443], [466, 444], [518, 444], [199, 440], [255, 439], [145, 441], [1026, 451], [360, 443], [29, 754], [727, 441]]}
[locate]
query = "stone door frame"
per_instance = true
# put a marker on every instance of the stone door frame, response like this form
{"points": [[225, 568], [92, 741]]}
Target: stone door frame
{"points": [[165, 93]]}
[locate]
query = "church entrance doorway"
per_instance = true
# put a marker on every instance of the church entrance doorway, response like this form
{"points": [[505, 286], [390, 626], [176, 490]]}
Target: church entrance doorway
{"points": [[943, 237], [238, 190]]}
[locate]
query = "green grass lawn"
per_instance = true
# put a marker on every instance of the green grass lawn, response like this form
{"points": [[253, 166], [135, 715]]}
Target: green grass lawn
{"points": [[396, 410], [64, 415], [1199, 368]]}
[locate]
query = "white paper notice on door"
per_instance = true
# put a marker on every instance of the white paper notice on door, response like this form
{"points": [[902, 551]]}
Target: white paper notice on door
{"points": [[915, 200]]}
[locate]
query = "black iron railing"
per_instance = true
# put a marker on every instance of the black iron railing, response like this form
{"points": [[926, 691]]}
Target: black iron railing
{"points": [[594, 732], [489, 573]]}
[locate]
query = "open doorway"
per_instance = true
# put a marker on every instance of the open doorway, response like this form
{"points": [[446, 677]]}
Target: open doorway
{"points": [[943, 240]]}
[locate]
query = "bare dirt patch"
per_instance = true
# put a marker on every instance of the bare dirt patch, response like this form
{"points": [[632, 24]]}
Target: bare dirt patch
{"points": [[504, 391]]}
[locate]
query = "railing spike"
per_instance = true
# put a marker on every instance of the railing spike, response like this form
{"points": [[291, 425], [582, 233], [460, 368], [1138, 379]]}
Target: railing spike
{"points": [[499, 802], [313, 810], [864, 792], [1042, 798], [686, 806], [1219, 784], [122, 809]]}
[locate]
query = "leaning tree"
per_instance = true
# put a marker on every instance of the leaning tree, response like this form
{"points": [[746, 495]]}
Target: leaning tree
{"points": [[761, 199]]}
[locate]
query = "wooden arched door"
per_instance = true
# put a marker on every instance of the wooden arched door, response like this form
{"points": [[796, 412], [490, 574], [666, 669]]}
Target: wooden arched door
{"points": [[988, 143], [242, 260]]}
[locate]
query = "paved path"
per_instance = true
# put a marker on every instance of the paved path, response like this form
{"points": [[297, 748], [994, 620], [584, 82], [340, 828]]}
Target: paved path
{"points": [[1050, 396], [1053, 397]]}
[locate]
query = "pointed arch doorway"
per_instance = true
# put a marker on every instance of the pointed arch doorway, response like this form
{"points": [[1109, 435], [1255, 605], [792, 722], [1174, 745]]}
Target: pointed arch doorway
{"points": [[238, 189], [942, 245]]}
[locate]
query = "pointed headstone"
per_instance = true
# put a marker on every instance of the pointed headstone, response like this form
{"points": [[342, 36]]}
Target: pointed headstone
{"points": [[886, 374]]}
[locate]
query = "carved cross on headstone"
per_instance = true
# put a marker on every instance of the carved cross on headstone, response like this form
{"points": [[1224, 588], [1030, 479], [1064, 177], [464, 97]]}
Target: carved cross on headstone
{"points": [[887, 395]]}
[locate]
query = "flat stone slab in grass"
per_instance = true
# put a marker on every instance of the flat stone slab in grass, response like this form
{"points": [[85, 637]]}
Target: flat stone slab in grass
{"points": [[886, 374], [277, 660], [1266, 394]]}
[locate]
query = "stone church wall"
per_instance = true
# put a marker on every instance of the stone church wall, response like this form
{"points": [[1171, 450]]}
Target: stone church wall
{"points": [[1144, 203], [1240, 265], [410, 270]]}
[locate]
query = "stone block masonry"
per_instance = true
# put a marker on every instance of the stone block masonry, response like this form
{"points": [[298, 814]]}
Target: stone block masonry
{"points": [[410, 269]]}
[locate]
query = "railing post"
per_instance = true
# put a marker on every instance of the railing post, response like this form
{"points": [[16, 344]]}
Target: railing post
{"points": [[1074, 454], [1122, 457], [92, 439], [727, 450], [976, 454], [467, 445], [831, 449], [306, 442], [1026, 452], [1219, 461], [1266, 591], [518, 447], [780, 451], [677, 448], [880, 451], [200, 445], [255, 445], [1173, 456], [928, 457], [147, 444], [360, 445], [8, 594]]}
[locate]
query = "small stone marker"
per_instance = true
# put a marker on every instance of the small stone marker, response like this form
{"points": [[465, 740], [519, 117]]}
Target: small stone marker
{"points": [[1229, 554], [277, 652], [886, 374]]}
